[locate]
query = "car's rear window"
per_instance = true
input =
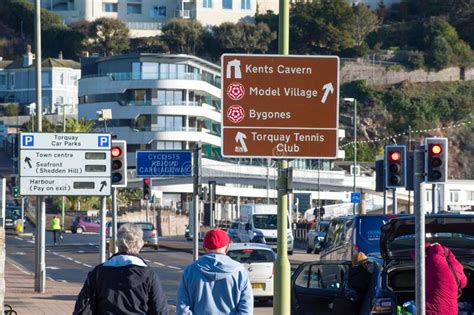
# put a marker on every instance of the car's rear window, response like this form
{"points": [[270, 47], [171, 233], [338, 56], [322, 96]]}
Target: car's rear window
{"points": [[145, 226], [247, 256]]}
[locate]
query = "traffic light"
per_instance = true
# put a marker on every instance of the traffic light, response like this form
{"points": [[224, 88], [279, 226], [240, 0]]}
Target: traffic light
{"points": [[146, 189], [16, 192], [436, 160], [395, 166], [119, 163]]}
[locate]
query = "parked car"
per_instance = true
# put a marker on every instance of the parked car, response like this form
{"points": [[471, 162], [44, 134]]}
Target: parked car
{"points": [[318, 287], [150, 234], [316, 236], [352, 234], [82, 223], [233, 231], [258, 259], [186, 233]]}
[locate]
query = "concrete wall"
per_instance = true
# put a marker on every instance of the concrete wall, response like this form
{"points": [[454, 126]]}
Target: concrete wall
{"points": [[379, 75], [170, 223]]}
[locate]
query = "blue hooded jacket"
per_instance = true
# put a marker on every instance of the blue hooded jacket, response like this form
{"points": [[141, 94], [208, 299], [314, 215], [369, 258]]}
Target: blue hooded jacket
{"points": [[214, 284]]}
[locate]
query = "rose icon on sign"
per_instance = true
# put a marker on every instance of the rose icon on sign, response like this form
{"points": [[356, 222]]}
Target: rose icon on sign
{"points": [[235, 91], [236, 113]]}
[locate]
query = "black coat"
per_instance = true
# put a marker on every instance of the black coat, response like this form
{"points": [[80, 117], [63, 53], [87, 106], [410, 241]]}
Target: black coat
{"points": [[122, 288]]}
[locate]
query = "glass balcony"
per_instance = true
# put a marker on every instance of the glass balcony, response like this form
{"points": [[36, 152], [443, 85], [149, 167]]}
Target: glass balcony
{"points": [[126, 76]]}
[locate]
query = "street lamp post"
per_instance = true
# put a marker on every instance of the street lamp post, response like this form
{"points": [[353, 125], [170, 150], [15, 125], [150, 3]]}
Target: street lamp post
{"points": [[354, 101], [64, 130]]}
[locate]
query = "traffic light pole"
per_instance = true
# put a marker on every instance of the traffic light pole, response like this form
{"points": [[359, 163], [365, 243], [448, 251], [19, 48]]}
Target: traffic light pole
{"points": [[433, 198], [394, 197], [385, 210], [196, 191], [146, 210], [418, 167], [113, 237]]}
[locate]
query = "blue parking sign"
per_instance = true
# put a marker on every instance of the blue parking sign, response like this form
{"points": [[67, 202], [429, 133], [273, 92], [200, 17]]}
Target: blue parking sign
{"points": [[28, 140], [355, 197], [103, 141]]}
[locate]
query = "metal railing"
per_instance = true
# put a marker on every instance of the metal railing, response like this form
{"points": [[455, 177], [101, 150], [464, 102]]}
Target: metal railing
{"points": [[144, 25]]}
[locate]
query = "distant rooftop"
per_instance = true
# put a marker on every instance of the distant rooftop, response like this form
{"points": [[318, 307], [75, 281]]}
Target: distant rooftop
{"points": [[47, 63]]}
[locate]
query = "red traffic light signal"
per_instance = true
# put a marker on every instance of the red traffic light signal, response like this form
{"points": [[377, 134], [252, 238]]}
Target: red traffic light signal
{"points": [[395, 166], [436, 160], [118, 154], [146, 188]]}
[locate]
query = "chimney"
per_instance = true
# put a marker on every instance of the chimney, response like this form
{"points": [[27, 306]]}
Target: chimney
{"points": [[28, 57], [60, 56], [85, 53]]}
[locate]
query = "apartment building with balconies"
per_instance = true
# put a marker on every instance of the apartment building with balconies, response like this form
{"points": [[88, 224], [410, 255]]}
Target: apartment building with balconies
{"points": [[157, 101]]}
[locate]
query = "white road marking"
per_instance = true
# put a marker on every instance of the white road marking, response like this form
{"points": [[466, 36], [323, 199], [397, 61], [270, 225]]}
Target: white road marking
{"points": [[19, 253], [77, 262], [159, 264], [31, 242], [18, 238], [173, 267], [49, 278], [64, 281], [86, 265], [69, 258], [147, 260], [81, 251], [52, 267]]}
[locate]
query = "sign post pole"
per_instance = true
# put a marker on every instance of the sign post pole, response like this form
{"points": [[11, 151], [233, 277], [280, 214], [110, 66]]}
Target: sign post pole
{"points": [[394, 198], [103, 211], [196, 191], [113, 237], [282, 264], [418, 167]]}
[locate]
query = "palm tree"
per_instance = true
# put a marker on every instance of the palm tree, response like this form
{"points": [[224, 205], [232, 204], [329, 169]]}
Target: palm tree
{"points": [[74, 125]]}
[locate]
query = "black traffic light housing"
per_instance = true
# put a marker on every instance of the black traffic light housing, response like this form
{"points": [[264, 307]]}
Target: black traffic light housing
{"points": [[146, 188], [118, 154], [436, 160], [395, 166]]}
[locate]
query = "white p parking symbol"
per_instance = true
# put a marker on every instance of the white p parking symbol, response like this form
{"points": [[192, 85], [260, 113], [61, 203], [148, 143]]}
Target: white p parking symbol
{"points": [[103, 141]]}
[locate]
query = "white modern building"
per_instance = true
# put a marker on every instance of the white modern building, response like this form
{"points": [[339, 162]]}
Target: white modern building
{"points": [[59, 84], [145, 17]]}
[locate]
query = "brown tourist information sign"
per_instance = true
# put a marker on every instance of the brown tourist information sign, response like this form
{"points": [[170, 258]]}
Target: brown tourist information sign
{"points": [[277, 106]]}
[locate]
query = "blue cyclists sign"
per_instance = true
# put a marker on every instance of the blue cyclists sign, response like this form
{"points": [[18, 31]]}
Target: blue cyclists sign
{"points": [[355, 197], [164, 163]]}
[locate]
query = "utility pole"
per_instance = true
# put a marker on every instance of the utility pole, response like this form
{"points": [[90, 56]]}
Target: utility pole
{"points": [[196, 191], [40, 263], [355, 153], [282, 300]]}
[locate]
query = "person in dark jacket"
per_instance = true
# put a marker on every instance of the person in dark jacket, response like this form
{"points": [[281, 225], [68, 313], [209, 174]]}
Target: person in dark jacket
{"points": [[124, 284]]}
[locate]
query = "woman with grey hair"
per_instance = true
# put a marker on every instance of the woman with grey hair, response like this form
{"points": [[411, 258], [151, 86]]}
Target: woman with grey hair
{"points": [[124, 284]]}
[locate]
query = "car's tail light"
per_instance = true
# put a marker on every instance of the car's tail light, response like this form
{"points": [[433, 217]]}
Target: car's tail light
{"points": [[153, 232], [356, 248], [382, 305]]}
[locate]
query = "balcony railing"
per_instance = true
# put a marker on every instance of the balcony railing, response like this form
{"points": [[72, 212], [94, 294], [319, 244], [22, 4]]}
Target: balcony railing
{"points": [[126, 76], [156, 102], [144, 25]]}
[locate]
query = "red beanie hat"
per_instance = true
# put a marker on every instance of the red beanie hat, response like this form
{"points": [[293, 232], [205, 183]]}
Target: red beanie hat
{"points": [[215, 239]]}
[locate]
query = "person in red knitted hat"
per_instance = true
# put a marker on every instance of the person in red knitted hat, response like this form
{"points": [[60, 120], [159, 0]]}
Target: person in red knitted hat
{"points": [[215, 283]]}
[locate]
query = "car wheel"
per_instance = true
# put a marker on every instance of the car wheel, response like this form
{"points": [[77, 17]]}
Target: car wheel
{"points": [[308, 250], [79, 230], [290, 252], [156, 247]]}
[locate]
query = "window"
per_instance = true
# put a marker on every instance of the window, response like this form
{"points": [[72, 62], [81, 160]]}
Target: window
{"points": [[163, 70], [170, 123], [207, 4], [162, 11], [149, 71], [170, 97], [227, 4], [59, 100], [73, 80], [12, 80], [133, 8], [454, 195], [469, 194], [136, 71], [3, 79], [169, 145], [45, 79], [61, 78], [245, 4], [322, 276], [109, 7]]}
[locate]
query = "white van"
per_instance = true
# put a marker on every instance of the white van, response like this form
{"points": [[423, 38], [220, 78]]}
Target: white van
{"points": [[258, 224]]}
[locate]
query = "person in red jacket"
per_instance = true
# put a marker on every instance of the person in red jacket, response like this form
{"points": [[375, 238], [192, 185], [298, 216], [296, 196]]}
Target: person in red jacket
{"points": [[444, 277]]}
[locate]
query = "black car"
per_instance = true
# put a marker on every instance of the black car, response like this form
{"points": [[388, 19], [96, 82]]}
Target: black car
{"points": [[318, 287]]}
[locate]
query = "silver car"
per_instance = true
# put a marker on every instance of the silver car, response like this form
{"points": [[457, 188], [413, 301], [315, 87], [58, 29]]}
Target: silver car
{"points": [[233, 231], [316, 236]]}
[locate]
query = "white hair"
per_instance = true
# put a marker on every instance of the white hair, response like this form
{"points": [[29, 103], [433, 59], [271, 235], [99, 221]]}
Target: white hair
{"points": [[129, 239]]}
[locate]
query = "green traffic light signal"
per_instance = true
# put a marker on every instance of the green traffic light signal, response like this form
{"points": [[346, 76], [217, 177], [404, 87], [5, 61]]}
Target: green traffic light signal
{"points": [[16, 192]]}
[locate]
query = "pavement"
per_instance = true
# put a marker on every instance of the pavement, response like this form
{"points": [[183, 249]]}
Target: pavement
{"points": [[59, 297]]}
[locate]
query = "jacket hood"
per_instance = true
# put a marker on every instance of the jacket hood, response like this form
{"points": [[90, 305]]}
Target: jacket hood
{"points": [[217, 266], [124, 260]]}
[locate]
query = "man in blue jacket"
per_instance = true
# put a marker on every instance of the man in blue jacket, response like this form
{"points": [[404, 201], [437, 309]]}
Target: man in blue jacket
{"points": [[215, 283]]}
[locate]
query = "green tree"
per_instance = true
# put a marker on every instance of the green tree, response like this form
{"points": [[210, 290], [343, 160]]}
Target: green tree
{"points": [[243, 37], [12, 109], [271, 19], [321, 27], [364, 152], [440, 53], [183, 36], [363, 22], [152, 44], [109, 36], [82, 125], [47, 126], [58, 38]]}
